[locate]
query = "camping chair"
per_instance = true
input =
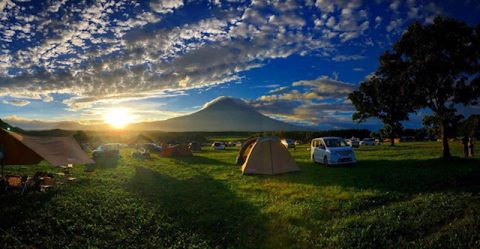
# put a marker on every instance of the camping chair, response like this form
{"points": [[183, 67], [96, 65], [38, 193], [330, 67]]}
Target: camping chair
{"points": [[48, 183], [16, 182]]}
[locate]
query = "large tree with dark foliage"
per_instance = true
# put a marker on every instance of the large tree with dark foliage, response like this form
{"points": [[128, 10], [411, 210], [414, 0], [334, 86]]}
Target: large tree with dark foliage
{"points": [[470, 126], [386, 96], [442, 61]]}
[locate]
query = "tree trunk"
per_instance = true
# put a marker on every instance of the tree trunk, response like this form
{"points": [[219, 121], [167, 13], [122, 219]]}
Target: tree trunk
{"points": [[392, 140], [446, 147]]}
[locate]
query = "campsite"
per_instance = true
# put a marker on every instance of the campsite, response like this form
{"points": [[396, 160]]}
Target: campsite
{"points": [[239, 124], [204, 201]]}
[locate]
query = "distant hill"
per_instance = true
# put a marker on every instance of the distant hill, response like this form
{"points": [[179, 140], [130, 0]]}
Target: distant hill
{"points": [[7, 126], [221, 114]]}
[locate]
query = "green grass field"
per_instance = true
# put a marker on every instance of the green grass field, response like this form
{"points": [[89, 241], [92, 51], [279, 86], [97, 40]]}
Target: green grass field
{"points": [[402, 197]]}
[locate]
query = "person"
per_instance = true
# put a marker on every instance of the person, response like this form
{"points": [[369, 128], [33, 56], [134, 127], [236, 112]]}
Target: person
{"points": [[465, 141], [470, 147]]}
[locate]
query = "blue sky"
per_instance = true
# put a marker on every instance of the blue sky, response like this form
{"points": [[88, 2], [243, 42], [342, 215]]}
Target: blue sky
{"points": [[292, 60]]}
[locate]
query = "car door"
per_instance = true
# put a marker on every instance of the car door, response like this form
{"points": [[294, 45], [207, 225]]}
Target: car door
{"points": [[320, 151], [316, 151]]}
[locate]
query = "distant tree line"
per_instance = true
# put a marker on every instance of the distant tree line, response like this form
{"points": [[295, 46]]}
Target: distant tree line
{"points": [[434, 66]]}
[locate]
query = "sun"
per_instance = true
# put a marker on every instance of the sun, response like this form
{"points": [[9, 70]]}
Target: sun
{"points": [[118, 118]]}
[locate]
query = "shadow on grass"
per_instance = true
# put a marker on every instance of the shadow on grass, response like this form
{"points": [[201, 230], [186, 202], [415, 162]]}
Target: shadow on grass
{"points": [[200, 160], [403, 176], [13, 204], [204, 208], [105, 162]]}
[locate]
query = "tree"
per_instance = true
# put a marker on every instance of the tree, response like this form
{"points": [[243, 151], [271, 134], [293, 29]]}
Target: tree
{"points": [[385, 96], [442, 62], [81, 137], [470, 126]]}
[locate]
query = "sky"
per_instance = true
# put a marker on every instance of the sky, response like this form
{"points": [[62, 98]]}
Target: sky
{"points": [[292, 60]]}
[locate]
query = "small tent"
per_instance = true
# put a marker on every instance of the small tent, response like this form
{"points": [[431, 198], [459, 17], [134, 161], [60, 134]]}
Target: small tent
{"points": [[140, 139], [24, 150], [195, 146], [176, 150], [269, 157]]}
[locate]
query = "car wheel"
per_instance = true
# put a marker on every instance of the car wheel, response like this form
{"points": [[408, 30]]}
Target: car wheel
{"points": [[325, 161]]}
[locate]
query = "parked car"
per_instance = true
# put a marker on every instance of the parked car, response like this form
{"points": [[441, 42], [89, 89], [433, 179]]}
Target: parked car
{"points": [[107, 151], [331, 151], [367, 141], [353, 142], [289, 143], [151, 147], [218, 145]]}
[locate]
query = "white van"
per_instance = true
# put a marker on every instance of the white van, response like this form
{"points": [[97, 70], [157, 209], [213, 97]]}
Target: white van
{"points": [[331, 151]]}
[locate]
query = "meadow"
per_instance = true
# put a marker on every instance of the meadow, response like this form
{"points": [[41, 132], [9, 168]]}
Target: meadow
{"points": [[400, 197]]}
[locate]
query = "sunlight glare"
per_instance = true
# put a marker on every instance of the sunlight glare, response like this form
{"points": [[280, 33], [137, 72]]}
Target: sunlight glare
{"points": [[118, 117]]}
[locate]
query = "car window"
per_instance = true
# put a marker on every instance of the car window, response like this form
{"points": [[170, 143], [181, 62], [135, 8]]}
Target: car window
{"points": [[335, 143]]}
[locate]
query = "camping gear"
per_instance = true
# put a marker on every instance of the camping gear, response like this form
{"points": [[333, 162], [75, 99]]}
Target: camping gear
{"points": [[15, 182], [268, 156], [108, 151], [141, 154], [176, 150], [195, 146], [25, 150]]}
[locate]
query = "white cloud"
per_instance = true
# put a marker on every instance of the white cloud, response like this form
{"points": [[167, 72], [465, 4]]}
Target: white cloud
{"points": [[340, 57], [322, 101], [16, 102], [165, 6]]}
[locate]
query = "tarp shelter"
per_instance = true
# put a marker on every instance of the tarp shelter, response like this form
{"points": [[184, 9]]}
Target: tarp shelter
{"points": [[195, 146], [268, 156], [24, 150], [176, 150]]}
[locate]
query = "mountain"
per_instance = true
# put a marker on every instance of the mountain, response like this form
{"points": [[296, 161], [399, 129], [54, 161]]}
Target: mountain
{"points": [[221, 114]]}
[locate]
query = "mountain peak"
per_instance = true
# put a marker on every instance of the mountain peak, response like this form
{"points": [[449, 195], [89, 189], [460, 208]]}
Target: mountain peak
{"points": [[224, 101], [225, 114]]}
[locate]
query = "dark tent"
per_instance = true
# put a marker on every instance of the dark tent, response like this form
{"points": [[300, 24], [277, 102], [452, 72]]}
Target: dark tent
{"points": [[195, 146]]}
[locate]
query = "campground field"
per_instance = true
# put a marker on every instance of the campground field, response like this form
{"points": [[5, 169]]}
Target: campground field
{"points": [[401, 197]]}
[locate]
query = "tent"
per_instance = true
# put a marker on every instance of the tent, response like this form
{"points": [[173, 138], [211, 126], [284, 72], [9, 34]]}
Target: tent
{"points": [[140, 139], [24, 150], [269, 157], [176, 150], [245, 150], [195, 146]]}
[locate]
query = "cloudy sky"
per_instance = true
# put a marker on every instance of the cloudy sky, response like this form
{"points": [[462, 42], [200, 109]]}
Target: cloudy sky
{"points": [[293, 60]]}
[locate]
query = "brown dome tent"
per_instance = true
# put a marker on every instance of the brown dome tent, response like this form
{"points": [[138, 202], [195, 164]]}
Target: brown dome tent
{"points": [[269, 157]]}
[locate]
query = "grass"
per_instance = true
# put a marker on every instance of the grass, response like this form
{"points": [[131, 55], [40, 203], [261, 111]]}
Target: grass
{"points": [[402, 197]]}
